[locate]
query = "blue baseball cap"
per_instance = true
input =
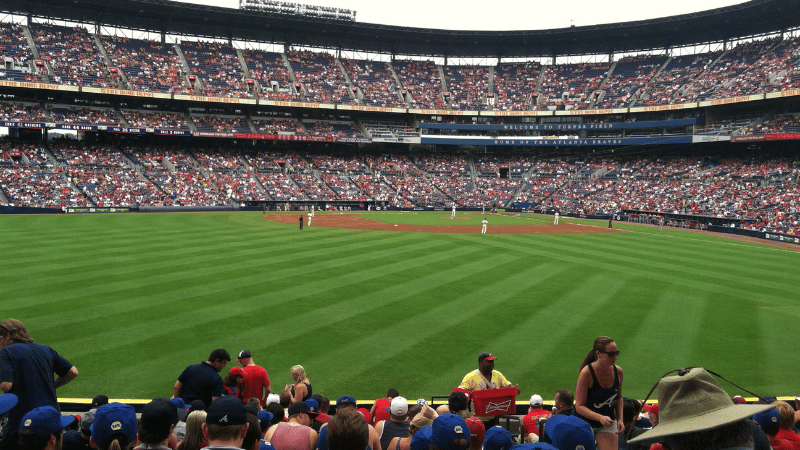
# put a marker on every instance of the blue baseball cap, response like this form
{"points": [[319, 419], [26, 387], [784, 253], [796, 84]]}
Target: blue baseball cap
{"points": [[114, 418], [446, 429], [44, 421], [768, 419], [227, 410], [313, 405], [569, 433], [422, 439], [264, 418], [7, 402], [497, 438], [345, 400]]}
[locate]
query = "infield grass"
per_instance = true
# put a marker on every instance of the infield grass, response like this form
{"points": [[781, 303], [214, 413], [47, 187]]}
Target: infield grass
{"points": [[132, 299]]}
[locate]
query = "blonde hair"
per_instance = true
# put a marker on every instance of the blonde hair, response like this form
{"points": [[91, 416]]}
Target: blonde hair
{"points": [[194, 431], [786, 412], [419, 421], [299, 371]]}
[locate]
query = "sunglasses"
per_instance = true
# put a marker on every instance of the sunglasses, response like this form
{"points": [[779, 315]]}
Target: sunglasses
{"points": [[610, 354]]}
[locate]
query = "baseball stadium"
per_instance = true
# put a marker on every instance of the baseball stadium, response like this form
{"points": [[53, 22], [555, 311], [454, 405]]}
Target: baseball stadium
{"points": [[179, 178]]}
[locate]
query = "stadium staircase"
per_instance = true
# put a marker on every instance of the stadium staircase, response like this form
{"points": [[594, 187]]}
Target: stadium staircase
{"points": [[489, 89], [642, 92], [443, 81], [300, 92], [108, 64], [354, 94], [398, 85], [36, 56], [246, 76], [198, 83]]}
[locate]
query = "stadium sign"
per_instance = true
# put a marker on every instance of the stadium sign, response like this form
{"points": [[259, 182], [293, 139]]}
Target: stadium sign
{"points": [[536, 142], [21, 125], [89, 209], [782, 238]]}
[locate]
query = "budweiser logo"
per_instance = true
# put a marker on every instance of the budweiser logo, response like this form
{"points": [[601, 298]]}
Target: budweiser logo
{"points": [[502, 406]]}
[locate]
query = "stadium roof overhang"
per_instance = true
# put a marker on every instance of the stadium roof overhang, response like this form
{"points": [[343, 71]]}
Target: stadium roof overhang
{"points": [[752, 18]]}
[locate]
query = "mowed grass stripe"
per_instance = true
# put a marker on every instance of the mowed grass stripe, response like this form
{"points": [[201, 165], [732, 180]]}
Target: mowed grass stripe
{"points": [[699, 276], [418, 333], [161, 271], [291, 305], [168, 293], [283, 332]]}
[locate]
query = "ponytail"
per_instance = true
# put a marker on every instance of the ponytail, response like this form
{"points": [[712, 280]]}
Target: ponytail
{"points": [[599, 345]]}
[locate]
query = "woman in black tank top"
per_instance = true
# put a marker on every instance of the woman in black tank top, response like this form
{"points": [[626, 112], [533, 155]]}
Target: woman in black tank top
{"points": [[598, 394], [301, 389]]}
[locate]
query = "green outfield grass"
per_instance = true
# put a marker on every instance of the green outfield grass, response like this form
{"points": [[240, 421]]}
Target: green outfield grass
{"points": [[132, 299]]}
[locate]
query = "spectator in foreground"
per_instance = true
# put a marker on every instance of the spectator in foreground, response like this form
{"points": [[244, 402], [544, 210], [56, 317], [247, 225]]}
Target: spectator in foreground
{"points": [[449, 432], [598, 395], [770, 423], [252, 440], [296, 433], [397, 425], [379, 409], [157, 424], [695, 412], [256, 379], [201, 381], [300, 391], [193, 439], [497, 438], [26, 370], [226, 424], [536, 413], [79, 439], [43, 429], [347, 430], [564, 402], [114, 427], [417, 423], [786, 413], [569, 433]]}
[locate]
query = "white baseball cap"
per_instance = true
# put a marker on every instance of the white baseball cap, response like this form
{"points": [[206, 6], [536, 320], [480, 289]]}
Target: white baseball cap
{"points": [[399, 406], [536, 400]]}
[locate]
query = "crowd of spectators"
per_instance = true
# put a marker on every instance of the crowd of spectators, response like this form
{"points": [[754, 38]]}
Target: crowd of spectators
{"points": [[72, 55], [467, 86], [28, 112], [375, 81], [321, 78], [422, 83], [217, 67], [14, 47], [673, 83], [630, 77], [571, 86], [148, 66], [84, 115], [269, 71], [278, 126], [154, 119], [221, 124], [763, 194], [514, 84]]}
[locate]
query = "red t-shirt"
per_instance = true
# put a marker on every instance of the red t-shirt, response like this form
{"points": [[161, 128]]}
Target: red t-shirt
{"points": [[531, 421], [380, 410], [790, 436], [255, 379]]}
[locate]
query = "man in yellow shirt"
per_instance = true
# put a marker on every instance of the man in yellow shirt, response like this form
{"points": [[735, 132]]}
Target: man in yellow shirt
{"points": [[485, 377]]}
